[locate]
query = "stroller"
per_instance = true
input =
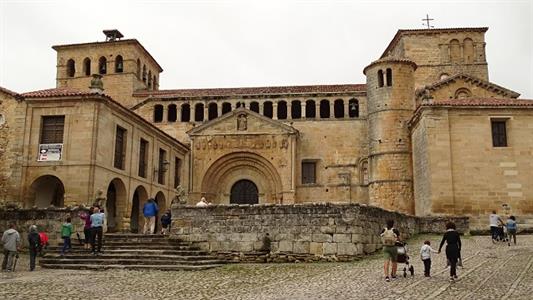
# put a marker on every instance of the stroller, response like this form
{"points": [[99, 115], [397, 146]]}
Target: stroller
{"points": [[403, 258]]}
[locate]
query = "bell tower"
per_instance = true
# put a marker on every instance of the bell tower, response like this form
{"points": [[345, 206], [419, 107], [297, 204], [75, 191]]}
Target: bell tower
{"points": [[391, 103], [124, 64]]}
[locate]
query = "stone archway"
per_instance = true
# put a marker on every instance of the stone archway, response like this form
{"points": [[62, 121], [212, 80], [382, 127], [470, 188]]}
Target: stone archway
{"points": [[162, 204], [115, 204], [229, 169], [244, 191], [139, 198], [45, 191]]}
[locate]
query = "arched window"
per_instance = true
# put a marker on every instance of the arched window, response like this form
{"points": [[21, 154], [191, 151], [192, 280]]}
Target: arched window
{"points": [[389, 77], [71, 68], [226, 107], [102, 65], [149, 79], [155, 83], [324, 109], [380, 78], [296, 109], [144, 73], [364, 173], [268, 110], [185, 112], [172, 115], [158, 113], [455, 51], [338, 108], [353, 108], [212, 111], [138, 69], [254, 106], [87, 66], [282, 110], [310, 109], [462, 93], [199, 112], [119, 64], [468, 50]]}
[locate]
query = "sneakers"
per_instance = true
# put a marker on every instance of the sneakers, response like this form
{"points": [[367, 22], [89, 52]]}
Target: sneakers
{"points": [[393, 277], [387, 279], [452, 279]]}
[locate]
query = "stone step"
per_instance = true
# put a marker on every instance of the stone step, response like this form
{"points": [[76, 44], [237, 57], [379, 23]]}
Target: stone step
{"points": [[97, 260], [143, 256], [130, 267], [135, 235], [134, 251], [133, 246]]}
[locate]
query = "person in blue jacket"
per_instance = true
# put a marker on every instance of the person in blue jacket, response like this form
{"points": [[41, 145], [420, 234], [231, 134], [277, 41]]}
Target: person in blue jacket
{"points": [[150, 210]]}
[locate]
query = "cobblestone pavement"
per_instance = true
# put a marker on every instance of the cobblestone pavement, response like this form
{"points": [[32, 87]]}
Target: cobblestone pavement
{"points": [[490, 272]]}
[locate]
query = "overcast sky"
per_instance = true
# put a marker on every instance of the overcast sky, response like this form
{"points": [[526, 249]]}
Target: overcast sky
{"points": [[256, 43]]}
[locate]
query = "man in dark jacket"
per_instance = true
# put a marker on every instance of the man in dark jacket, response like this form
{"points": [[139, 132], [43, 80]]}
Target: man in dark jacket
{"points": [[34, 244], [150, 210]]}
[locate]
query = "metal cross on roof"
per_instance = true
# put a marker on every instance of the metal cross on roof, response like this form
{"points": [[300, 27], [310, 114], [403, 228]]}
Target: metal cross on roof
{"points": [[427, 19]]}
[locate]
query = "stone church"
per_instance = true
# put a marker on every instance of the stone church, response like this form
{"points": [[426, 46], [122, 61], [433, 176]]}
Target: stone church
{"points": [[427, 134]]}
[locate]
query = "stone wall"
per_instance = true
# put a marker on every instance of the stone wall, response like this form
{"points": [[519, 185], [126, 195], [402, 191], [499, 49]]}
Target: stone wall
{"points": [[48, 220], [305, 232]]}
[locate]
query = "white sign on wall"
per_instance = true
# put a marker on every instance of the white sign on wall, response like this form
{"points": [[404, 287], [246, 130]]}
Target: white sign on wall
{"points": [[50, 152]]}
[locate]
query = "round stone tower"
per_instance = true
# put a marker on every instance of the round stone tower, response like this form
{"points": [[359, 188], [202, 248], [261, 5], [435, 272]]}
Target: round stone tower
{"points": [[391, 102]]}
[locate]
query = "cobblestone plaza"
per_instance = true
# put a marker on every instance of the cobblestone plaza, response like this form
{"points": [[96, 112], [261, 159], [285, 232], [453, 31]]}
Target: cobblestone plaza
{"points": [[491, 271]]}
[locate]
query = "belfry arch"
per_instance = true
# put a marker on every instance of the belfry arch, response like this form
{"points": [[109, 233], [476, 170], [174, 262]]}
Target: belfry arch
{"points": [[225, 172]]}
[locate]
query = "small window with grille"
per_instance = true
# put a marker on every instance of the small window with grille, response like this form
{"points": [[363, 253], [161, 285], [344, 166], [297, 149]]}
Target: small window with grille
{"points": [[308, 172], [499, 132], [52, 129]]}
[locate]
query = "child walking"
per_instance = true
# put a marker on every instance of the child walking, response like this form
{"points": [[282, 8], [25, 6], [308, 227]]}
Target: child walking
{"points": [[425, 255], [66, 232], [511, 230]]}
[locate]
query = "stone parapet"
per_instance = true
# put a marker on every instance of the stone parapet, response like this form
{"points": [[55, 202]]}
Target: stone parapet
{"points": [[298, 232]]}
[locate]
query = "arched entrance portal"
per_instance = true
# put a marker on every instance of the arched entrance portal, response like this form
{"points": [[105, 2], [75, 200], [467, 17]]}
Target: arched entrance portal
{"points": [[115, 197], [139, 198], [45, 191], [244, 192], [161, 203]]}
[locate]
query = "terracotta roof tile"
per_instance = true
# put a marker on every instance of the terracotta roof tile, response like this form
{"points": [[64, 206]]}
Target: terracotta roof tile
{"points": [[59, 92], [9, 92], [402, 32], [480, 102], [276, 90]]}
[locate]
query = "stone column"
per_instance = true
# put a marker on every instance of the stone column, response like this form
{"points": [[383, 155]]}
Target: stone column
{"points": [[303, 108], [346, 108], [261, 109], [331, 109], [192, 113], [219, 109], [317, 110], [178, 112], [165, 114], [206, 109], [275, 110], [289, 110]]}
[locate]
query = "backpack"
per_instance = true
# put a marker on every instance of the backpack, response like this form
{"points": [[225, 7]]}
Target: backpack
{"points": [[388, 237]]}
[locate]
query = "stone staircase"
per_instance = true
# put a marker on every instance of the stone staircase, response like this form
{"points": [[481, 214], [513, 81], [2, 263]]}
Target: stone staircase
{"points": [[132, 251]]}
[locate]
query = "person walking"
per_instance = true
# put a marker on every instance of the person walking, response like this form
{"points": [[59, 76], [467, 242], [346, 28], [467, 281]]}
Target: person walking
{"points": [[166, 219], [34, 245], [425, 255], [44, 243], [66, 232], [511, 230], [150, 210], [453, 248], [97, 221], [494, 221], [86, 217], [389, 237], [11, 242]]}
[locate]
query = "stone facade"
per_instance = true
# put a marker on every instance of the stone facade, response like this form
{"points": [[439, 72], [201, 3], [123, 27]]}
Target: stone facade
{"points": [[304, 232], [408, 140]]}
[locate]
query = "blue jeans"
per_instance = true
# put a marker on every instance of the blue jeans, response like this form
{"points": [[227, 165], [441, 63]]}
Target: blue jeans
{"points": [[66, 244]]}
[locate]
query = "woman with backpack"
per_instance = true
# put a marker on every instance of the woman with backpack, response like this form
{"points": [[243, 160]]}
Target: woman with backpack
{"points": [[389, 237]]}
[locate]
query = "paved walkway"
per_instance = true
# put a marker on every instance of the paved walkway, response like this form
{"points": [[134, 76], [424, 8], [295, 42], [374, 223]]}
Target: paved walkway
{"points": [[490, 272]]}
